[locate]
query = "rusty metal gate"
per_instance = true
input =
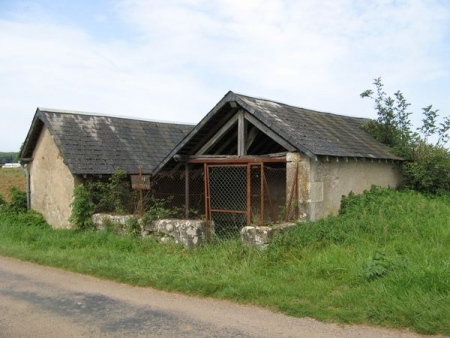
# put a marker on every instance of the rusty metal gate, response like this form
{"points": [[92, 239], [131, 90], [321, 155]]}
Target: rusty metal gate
{"points": [[236, 195]]}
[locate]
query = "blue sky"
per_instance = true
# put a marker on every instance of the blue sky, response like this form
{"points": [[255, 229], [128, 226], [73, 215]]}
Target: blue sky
{"points": [[174, 60]]}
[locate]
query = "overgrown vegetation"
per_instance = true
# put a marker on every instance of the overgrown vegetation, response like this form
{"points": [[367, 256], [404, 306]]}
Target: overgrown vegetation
{"points": [[427, 166], [17, 201], [384, 261], [157, 208], [115, 196], [112, 196]]}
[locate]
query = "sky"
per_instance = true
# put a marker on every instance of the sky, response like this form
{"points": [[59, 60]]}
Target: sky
{"points": [[173, 60]]}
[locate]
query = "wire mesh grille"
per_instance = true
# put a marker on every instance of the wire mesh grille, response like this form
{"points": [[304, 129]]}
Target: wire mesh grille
{"points": [[236, 195], [228, 199]]}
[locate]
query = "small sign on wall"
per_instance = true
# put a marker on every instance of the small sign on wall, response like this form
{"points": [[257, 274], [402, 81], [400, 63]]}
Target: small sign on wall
{"points": [[140, 182]]}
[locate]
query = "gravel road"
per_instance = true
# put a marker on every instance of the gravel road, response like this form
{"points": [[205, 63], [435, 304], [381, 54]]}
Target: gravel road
{"points": [[38, 301]]}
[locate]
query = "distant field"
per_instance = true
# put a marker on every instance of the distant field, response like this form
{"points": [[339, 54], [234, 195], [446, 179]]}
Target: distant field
{"points": [[11, 177]]}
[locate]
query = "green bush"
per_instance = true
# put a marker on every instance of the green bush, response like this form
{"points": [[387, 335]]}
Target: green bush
{"points": [[115, 195], [430, 170], [157, 209], [82, 209], [17, 200]]}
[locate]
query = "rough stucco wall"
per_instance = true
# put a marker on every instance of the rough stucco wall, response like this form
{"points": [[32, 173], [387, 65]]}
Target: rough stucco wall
{"points": [[331, 180], [51, 183]]}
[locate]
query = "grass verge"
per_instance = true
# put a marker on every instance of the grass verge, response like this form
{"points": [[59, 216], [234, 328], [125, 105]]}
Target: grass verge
{"points": [[384, 261]]}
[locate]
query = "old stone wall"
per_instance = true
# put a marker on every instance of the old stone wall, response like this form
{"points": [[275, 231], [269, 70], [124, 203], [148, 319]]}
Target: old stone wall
{"points": [[321, 183], [261, 235], [51, 183], [190, 233], [330, 180]]}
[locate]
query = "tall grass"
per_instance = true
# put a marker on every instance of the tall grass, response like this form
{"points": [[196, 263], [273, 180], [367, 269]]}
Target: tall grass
{"points": [[385, 260]]}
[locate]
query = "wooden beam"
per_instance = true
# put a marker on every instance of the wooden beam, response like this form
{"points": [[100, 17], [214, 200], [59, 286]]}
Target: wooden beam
{"points": [[269, 132], [226, 143], [251, 138], [230, 160], [208, 145], [242, 134]]}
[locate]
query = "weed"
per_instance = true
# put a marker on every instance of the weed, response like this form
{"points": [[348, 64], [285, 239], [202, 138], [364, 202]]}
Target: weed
{"points": [[378, 266]]}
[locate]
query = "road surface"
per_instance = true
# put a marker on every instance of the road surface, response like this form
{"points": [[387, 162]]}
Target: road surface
{"points": [[38, 301]]}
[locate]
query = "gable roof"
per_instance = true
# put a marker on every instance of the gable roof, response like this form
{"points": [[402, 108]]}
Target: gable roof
{"points": [[95, 144], [311, 132]]}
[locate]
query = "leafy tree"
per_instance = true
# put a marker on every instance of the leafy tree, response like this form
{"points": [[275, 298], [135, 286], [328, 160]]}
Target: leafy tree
{"points": [[8, 157], [427, 166]]}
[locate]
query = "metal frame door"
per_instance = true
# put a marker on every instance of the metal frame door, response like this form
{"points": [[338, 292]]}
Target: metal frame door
{"points": [[229, 196]]}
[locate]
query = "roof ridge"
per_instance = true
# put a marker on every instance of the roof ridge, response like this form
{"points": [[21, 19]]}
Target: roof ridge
{"points": [[83, 113], [296, 107]]}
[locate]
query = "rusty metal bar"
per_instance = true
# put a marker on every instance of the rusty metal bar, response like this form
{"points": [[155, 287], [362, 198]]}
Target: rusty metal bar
{"points": [[291, 195], [227, 165], [238, 160], [207, 212], [272, 211], [249, 196], [229, 211], [262, 194]]}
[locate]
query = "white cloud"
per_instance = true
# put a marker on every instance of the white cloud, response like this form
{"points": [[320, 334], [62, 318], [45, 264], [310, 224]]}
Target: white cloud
{"points": [[181, 57]]}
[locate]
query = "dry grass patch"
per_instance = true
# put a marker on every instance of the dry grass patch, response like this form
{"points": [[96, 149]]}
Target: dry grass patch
{"points": [[11, 177]]}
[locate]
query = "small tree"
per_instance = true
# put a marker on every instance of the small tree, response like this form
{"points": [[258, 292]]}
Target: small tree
{"points": [[427, 166]]}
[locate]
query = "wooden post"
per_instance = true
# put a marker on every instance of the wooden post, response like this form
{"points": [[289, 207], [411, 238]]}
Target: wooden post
{"points": [[186, 191], [141, 203], [242, 135]]}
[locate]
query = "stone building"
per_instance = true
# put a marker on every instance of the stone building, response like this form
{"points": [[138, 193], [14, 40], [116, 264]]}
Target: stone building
{"points": [[262, 162], [249, 161], [63, 148]]}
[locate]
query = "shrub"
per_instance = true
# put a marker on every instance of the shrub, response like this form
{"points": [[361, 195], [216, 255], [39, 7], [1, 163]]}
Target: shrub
{"points": [[115, 195], [18, 200], [430, 170], [82, 209]]}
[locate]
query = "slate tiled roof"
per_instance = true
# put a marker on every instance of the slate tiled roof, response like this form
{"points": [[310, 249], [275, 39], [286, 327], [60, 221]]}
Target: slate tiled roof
{"points": [[317, 132], [95, 144], [311, 132]]}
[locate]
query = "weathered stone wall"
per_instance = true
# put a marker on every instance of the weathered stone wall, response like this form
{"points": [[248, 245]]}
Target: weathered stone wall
{"points": [[261, 235], [322, 183], [51, 183], [330, 180], [189, 233]]}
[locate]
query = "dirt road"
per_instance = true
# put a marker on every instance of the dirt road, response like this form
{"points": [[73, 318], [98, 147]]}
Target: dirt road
{"points": [[37, 301]]}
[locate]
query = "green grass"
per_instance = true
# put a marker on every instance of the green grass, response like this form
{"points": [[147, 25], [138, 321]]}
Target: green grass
{"points": [[384, 261]]}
